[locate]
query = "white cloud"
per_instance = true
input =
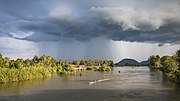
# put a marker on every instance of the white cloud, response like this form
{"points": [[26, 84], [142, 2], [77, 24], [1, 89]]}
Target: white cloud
{"points": [[15, 48], [134, 19], [21, 34], [61, 13]]}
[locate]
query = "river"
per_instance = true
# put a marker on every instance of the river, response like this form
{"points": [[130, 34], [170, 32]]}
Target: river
{"points": [[131, 84]]}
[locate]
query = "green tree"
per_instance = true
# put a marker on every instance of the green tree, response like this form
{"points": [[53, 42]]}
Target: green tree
{"points": [[82, 62], [27, 62], [12, 64], [35, 59], [155, 61], [76, 62], [168, 62], [6, 62], [19, 63], [104, 67]]}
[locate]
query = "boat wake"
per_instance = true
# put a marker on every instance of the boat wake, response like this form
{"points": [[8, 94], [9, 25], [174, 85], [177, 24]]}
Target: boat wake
{"points": [[96, 81]]}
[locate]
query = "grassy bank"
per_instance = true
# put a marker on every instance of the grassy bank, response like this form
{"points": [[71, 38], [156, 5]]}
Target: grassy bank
{"points": [[100, 68]]}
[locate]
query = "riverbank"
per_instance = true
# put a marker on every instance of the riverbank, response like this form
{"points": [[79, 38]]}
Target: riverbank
{"points": [[173, 76], [169, 65], [8, 75], [24, 74], [45, 66]]}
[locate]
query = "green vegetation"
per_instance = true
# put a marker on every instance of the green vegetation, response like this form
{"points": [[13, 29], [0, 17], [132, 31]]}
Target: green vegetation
{"points": [[96, 65], [45, 66], [104, 67], [22, 70], [93, 62], [169, 65], [155, 62], [13, 74]]}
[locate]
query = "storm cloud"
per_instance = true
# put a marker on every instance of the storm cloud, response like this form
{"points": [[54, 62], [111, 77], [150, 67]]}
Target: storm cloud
{"points": [[154, 21]]}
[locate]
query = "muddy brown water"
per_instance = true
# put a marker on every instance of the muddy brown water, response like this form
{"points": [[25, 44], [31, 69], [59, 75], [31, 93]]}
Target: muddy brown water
{"points": [[131, 84]]}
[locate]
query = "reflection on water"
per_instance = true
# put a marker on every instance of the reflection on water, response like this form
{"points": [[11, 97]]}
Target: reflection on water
{"points": [[17, 88], [138, 83]]}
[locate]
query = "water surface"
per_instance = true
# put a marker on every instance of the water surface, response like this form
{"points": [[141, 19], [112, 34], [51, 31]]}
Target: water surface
{"points": [[131, 84]]}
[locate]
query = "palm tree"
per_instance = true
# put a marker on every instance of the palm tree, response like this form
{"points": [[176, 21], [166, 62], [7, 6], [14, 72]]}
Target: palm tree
{"points": [[35, 59], [6, 61]]}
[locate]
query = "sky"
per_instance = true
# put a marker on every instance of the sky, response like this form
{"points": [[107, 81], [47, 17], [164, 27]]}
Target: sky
{"points": [[89, 29]]}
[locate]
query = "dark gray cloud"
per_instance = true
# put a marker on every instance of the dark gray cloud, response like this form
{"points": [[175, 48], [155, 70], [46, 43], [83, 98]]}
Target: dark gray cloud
{"points": [[22, 9], [118, 20]]}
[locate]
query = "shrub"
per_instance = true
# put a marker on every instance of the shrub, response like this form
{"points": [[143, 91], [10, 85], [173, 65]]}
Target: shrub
{"points": [[12, 75]]}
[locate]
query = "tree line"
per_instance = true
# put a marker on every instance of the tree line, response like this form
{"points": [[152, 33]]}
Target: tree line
{"points": [[169, 65], [44, 66]]}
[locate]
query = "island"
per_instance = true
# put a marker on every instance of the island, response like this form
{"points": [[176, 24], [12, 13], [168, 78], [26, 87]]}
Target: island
{"points": [[46, 66]]}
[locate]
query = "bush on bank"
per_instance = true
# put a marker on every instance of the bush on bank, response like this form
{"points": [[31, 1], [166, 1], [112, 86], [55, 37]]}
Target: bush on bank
{"points": [[169, 65]]}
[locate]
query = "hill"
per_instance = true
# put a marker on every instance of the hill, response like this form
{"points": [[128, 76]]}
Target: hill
{"points": [[132, 62], [145, 63]]}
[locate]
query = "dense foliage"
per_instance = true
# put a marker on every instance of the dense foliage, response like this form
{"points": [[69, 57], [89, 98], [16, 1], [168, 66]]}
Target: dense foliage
{"points": [[96, 65], [45, 66], [170, 65], [13, 74], [21, 70], [94, 62]]}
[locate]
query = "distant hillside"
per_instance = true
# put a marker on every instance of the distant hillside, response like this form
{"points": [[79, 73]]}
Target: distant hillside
{"points": [[132, 62], [145, 63]]}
